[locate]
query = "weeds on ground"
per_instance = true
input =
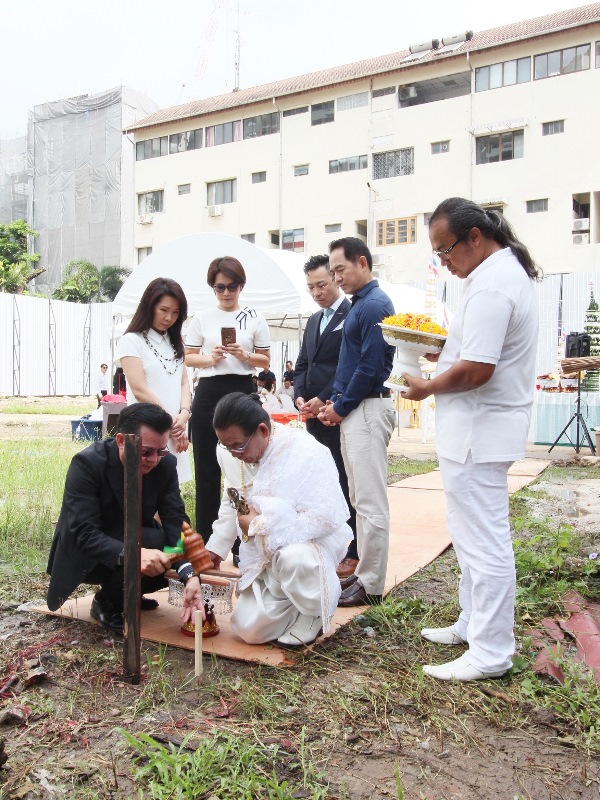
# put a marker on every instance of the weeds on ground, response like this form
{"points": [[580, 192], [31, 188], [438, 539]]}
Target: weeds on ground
{"points": [[223, 766], [400, 467], [71, 407]]}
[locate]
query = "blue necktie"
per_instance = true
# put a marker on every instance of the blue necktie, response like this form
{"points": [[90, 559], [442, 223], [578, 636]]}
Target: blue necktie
{"points": [[327, 312]]}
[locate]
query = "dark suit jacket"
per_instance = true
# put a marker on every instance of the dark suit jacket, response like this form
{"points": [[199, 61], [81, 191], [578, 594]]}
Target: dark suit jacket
{"points": [[318, 359], [90, 528]]}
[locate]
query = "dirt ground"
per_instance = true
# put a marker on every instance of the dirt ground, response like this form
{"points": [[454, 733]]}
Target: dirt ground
{"points": [[61, 737]]}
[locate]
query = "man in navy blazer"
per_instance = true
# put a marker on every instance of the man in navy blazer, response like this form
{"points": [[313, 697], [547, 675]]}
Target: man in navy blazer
{"points": [[314, 373], [88, 540]]}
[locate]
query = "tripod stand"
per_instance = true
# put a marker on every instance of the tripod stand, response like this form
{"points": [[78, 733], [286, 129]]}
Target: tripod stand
{"points": [[581, 426]]}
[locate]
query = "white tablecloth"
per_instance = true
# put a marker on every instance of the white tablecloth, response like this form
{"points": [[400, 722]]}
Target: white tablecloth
{"points": [[552, 411]]}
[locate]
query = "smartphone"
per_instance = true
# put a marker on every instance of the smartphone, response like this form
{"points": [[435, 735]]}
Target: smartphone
{"points": [[227, 336]]}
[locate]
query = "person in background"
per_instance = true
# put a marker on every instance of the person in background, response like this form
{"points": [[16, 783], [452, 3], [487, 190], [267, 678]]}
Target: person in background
{"points": [[287, 389], [151, 355], [293, 531], [288, 373], [361, 404], [262, 377], [102, 384], [314, 374], [119, 382], [222, 368], [483, 388], [88, 543]]}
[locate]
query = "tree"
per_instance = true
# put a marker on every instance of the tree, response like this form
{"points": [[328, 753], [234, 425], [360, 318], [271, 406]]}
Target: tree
{"points": [[591, 381], [111, 280], [80, 284], [16, 265]]}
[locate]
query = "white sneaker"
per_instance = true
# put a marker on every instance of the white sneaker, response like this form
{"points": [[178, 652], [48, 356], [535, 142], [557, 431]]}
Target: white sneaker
{"points": [[459, 670], [304, 631], [443, 635]]}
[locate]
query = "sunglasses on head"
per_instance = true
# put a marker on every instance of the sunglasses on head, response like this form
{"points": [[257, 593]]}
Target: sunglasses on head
{"points": [[231, 287]]}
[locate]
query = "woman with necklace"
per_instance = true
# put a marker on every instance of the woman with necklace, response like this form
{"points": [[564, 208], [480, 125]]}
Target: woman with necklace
{"points": [[222, 368], [152, 357]]}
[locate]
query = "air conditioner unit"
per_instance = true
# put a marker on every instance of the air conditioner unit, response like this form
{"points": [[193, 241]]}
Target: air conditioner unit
{"points": [[215, 211], [581, 224], [145, 219], [581, 238]]}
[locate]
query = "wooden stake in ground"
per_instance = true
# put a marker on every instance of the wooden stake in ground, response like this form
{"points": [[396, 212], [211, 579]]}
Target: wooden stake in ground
{"points": [[198, 642], [132, 562]]}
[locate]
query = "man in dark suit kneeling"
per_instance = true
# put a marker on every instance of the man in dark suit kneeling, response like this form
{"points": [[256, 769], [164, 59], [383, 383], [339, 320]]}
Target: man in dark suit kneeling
{"points": [[314, 373], [88, 540]]}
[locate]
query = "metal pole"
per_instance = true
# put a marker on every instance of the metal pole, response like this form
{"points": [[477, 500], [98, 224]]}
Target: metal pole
{"points": [[132, 590]]}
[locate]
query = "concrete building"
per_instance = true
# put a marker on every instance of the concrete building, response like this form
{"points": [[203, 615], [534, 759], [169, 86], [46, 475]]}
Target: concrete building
{"points": [[508, 117], [81, 179]]}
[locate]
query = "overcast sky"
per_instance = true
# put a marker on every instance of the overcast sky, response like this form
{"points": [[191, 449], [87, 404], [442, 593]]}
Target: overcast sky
{"points": [[178, 51]]}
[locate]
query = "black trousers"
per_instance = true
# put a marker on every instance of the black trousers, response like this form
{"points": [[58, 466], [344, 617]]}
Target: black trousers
{"points": [[329, 435], [206, 467], [111, 578]]}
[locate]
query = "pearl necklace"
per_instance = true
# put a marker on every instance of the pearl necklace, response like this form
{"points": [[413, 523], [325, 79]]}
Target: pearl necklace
{"points": [[163, 359]]}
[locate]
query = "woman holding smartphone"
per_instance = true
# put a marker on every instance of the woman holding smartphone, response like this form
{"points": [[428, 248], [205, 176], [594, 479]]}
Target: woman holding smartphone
{"points": [[226, 345]]}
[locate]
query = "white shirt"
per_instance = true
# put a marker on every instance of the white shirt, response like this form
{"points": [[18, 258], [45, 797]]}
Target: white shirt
{"points": [[497, 323], [103, 382], [251, 329]]}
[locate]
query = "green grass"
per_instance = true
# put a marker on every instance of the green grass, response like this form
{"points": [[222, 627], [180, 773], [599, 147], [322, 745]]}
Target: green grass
{"points": [[400, 467], [71, 408], [33, 476]]}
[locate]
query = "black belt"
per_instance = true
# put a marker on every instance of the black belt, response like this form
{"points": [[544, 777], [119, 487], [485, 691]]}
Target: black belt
{"points": [[380, 395]]}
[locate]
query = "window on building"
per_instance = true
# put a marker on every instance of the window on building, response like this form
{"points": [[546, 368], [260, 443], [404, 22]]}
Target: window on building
{"points": [[221, 192], [224, 133], [150, 202], [184, 188], [293, 240], [274, 238], [320, 113], [300, 169], [259, 177], [349, 101], [396, 231], [535, 206], [492, 207], [562, 62], [382, 92], [152, 148], [361, 228], [336, 228], [188, 140], [597, 55], [262, 125], [550, 128], [142, 253], [291, 112], [499, 147], [393, 163], [348, 164], [506, 73], [249, 237], [440, 147], [415, 94]]}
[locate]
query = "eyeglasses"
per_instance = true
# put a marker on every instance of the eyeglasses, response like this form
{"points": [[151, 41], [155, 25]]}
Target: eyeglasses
{"points": [[231, 287], [445, 253], [152, 452], [237, 449], [318, 287]]}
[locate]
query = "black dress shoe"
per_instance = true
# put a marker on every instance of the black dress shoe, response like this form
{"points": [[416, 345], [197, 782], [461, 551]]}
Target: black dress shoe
{"points": [[236, 560], [346, 582], [355, 595], [148, 604], [108, 615]]}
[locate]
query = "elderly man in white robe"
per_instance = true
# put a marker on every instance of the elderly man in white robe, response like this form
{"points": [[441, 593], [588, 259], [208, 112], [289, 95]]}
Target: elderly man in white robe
{"points": [[282, 497]]}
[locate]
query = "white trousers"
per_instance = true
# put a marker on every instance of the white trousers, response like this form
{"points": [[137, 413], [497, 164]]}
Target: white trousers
{"points": [[290, 586], [477, 512], [364, 437]]}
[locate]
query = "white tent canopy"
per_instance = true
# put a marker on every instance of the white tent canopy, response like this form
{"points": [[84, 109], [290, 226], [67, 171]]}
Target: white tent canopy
{"points": [[274, 279]]}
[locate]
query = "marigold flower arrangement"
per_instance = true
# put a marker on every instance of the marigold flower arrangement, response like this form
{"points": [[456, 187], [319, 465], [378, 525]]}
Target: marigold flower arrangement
{"points": [[415, 322]]}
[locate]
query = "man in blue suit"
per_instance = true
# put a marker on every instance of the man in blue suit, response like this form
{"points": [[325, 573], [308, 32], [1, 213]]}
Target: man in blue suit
{"points": [[314, 373]]}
